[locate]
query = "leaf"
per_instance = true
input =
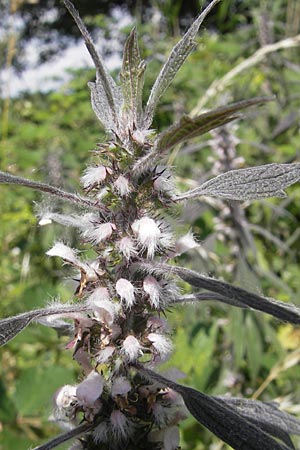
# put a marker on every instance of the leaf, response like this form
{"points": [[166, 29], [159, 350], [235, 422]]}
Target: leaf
{"points": [[11, 326], [101, 106], [104, 91], [249, 184], [223, 420], [132, 77], [64, 437], [266, 414], [7, 178], [188, 127], [276, 308], [175, 60]]}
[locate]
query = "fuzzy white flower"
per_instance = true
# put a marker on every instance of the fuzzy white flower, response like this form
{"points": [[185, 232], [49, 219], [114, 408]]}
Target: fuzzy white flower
{"points": [[64, 252], [161, 344], [100, 232], [127, 247], [104, 309], [125, 291], [132, 348], [185, 243], [122, 186], [148, 234], [90, 389], [103, 356], [152, 287], [93, 175], [65, 396]]}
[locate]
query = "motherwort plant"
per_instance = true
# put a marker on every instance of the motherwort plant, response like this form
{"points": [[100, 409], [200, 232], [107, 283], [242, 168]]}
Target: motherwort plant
{"points": [[120, 335]]}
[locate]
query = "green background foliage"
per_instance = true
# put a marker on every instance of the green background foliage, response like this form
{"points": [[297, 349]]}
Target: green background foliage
{"points": [[49, 137]]}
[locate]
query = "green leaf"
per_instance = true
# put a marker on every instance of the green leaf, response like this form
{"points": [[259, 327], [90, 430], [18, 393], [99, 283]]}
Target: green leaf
{"points": [[174, 62], [252, 183], [188, 128], [132, 77]]}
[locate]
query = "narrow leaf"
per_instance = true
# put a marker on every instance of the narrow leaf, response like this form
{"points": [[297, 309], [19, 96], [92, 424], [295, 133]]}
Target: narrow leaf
{"points": [[105, 89], [249, 184], [64, 437], [221, 419], [7, 178], [132, 78], [283, 311], [175, 60], [188, 127], [207, 296], [266, 415], [11, 326]]}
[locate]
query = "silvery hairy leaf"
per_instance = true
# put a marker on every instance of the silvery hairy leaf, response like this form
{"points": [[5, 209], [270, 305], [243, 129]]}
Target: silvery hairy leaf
{"points": [[283, 311], [252, 183], [267, 414], [207, 296], [190, 127], [7, 178], [175, 60], [132, 78], [106, 96], [225, 421], [64, 437], [11, 326]]}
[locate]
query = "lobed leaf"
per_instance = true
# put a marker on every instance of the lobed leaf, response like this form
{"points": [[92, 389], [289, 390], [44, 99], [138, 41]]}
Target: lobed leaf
{"points": [[132, 78], [190, 127], [252, 183], [226, 421], [175, 60], [11, 326]]}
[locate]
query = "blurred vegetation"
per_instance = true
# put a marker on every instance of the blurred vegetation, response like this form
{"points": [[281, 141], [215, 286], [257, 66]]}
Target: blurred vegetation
{"points": [[50, 137]]}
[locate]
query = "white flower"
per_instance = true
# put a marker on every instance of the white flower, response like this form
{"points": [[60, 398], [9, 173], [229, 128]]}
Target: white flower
{"points": [[148, 234], [120, 386], [64, 252], [65, 396], [93, 175], [185, 243], [90, 389], [122, 186], [126, 291], [127, 247], [161, 344], [103, 356], [132, 348], [100, 232], [152, 287], [104, 309]]}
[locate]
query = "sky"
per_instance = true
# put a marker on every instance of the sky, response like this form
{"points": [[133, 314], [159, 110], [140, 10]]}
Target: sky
{"points": [[52, 74]]}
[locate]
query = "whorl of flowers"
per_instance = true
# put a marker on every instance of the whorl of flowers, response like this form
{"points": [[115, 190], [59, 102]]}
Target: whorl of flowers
{"points": [[120, 333]]}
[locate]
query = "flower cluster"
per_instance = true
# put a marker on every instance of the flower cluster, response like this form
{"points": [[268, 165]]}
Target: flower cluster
{"points": [[119, 330]]}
